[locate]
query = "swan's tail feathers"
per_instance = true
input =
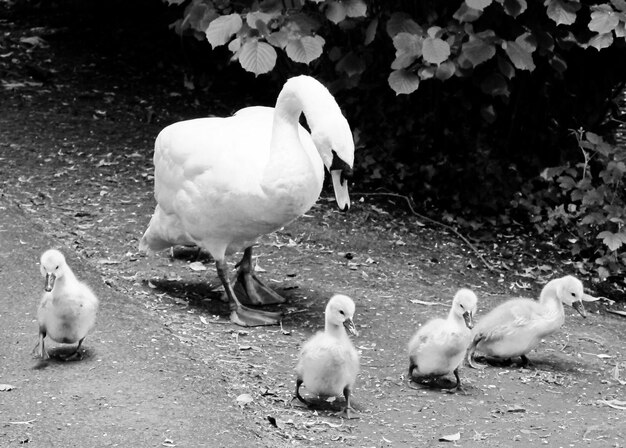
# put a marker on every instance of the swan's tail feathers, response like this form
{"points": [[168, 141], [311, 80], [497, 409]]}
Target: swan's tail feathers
{"points": [[164, 231]]}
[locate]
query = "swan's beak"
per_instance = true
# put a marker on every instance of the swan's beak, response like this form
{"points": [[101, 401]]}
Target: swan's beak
{"points": [[578, 306], [469, 321], [350, 328], [340, 185], [50, 278]]}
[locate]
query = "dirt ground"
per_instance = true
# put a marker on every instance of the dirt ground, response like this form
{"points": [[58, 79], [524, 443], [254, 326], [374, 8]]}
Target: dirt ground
{"points": [[164, 365]]}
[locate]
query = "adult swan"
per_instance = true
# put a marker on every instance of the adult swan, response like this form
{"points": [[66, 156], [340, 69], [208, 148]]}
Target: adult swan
{"points": [[221, 183]]}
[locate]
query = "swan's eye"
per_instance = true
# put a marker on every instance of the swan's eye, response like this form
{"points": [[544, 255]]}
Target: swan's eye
{"points": [[573, 294], [341, 312], [461, 305], [56, 268]]}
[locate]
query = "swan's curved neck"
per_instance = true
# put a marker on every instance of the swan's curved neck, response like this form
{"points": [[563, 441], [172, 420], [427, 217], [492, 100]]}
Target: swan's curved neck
{"points": [[67, 278]]}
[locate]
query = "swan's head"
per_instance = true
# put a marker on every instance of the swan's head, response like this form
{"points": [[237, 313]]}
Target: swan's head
{"points": [[340, 311], [570, 291], [464, 305], [52, 266]]}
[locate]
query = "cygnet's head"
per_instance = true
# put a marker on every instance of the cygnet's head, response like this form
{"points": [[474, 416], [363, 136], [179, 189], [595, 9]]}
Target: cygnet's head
{"points": [[464, 304], [340, 311], [52, 266], [571, 292]]}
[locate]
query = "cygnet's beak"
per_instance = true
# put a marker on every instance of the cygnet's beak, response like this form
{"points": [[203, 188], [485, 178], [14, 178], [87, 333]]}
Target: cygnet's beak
{"points": [[469, 321], [350, 328], [578, 306], [50, 278]]}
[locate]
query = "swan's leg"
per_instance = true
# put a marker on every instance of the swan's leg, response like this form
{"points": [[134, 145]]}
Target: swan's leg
{"points": [[240, 314], [525, 361], [249, 287], [298, 396]]}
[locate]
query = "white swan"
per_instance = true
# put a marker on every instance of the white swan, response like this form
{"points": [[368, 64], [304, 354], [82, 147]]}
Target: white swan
{"points": [[221, 183], [516, 326], [438, 347], [67, 311], [328, 362]]}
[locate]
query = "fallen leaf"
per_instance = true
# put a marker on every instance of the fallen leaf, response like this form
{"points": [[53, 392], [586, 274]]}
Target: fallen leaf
{"points": [[6, 387], [615, 404], [197, 266], [421, 302], [168, 442], [451, 437], [244, 399]]}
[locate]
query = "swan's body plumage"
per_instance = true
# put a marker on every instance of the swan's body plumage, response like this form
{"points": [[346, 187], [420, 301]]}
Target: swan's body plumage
{"points": [[68, 308], [328, 364], [221, 183], [516, 326], [439, 346]]}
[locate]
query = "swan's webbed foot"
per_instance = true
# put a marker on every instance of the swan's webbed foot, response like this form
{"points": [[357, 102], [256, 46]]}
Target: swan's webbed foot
{"points": [[249, 288], [247, 317], [456, 388], [76, 355], [469, 357], [240, 314]]}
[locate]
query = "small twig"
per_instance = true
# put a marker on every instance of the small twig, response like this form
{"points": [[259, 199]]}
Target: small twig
{"points": [[426, 218], [27, 422]]}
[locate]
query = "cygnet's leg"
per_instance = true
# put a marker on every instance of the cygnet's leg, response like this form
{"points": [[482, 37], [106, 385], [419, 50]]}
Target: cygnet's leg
{"points": [[298, 396], [241, 315], [346, 410], [470, 356], [76, 354], [457, 387], [525, 361], [249, 288], [43, 354]]}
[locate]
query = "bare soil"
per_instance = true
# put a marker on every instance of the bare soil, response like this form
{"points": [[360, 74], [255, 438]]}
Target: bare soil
{"points": [[166, 368]]}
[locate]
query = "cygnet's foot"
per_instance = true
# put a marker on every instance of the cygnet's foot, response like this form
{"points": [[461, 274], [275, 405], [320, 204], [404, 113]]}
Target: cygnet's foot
{"points": [[475, 365], [252, 291], [247, 317], [346, 413], [76, 356]]}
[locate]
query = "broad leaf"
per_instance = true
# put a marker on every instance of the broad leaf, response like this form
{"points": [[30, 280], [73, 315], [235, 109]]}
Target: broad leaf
{"points": [[612, 240], [445, 70], [255, 18], [370, 32], [278, 39], [620, 30], [435, 50], [515, 7], [257, 57], [495, 85], [355, 8], [477, 51], [603, 19], [562, 12], [600, 41], [408, 49], [305, 49], [465, 14], [351, 64], [403, 82], [400, 22], [620, 5], [222, 29], [478, 4], [336, 12], [520, 52]]}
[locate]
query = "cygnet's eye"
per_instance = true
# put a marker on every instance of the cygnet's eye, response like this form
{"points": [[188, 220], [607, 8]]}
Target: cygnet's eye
{"points": [[461, 305], [56, 269], [573, 294], [341, 312]]}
